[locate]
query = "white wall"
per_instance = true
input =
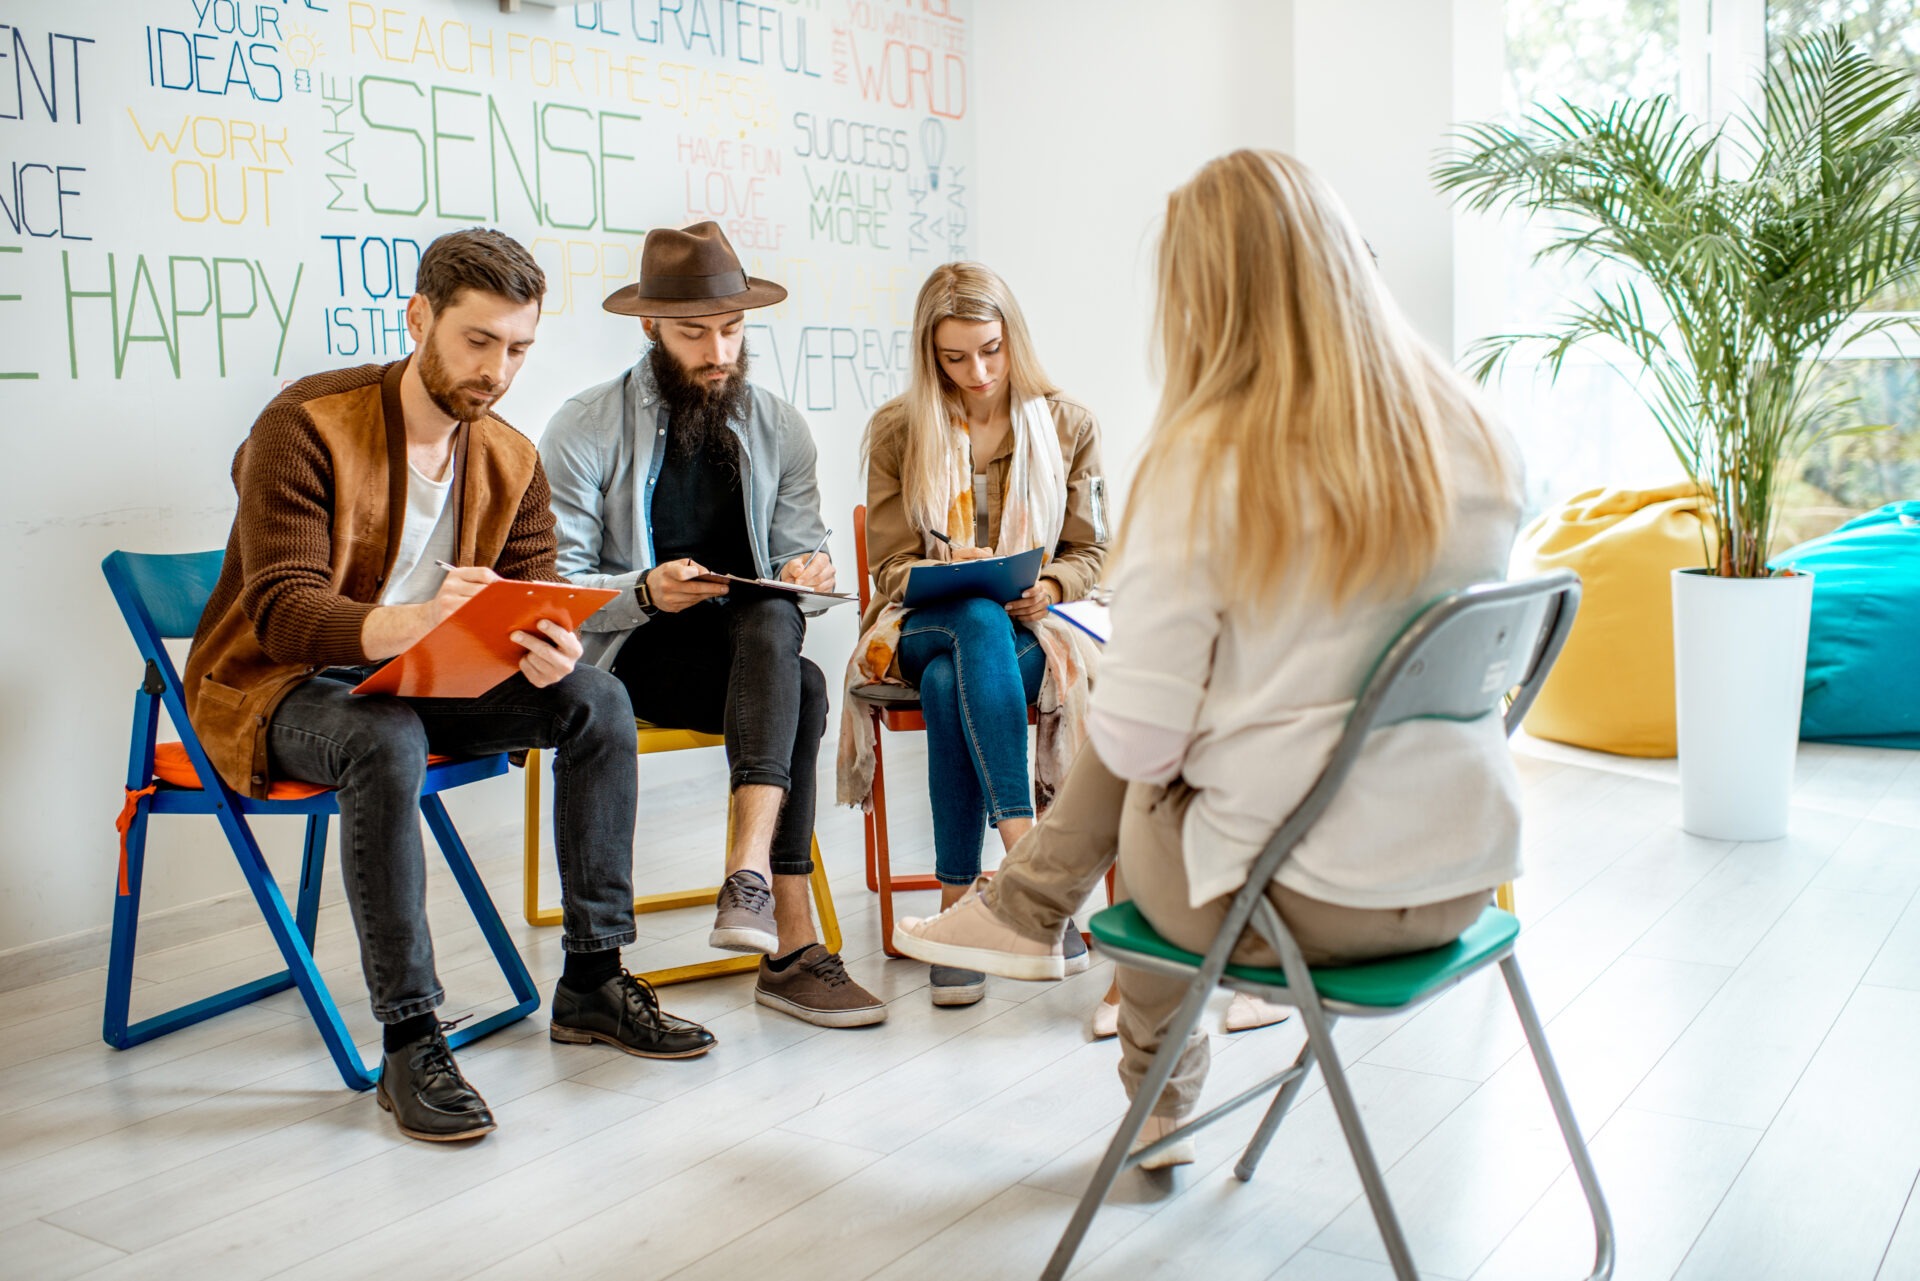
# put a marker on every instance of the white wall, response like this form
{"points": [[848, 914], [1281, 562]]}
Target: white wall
{"points": [[1090, 112], [626, 114], [1083, 113], [1373, 99]]}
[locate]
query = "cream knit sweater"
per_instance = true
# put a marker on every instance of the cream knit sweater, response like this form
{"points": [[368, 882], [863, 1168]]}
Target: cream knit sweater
{"points": [[1261, 692]]}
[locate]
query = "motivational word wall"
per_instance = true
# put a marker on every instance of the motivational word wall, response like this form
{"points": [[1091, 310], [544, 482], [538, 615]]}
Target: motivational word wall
{"points": [[203, 200], [199, 189]]}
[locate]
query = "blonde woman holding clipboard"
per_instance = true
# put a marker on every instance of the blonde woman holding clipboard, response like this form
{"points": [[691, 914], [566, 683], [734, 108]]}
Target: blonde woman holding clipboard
{"points": [[980, 457]]}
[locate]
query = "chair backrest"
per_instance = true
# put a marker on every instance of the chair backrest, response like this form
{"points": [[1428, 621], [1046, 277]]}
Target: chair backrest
{"points": [[1459, 659], [860, 556], [162, 598]]}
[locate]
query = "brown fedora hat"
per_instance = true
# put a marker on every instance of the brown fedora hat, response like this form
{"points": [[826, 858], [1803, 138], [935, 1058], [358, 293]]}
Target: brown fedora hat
{"points": [[691, 271]]}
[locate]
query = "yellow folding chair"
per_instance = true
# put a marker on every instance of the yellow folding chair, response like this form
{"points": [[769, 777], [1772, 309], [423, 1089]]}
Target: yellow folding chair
{"points": [[652, 739]]}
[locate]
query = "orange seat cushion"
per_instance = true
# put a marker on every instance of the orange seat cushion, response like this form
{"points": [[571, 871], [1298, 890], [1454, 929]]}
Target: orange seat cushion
{"points": [[172, 765]]}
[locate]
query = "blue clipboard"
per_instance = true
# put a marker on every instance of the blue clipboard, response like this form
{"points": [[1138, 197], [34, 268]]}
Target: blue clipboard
{"points": [[1092, 618], [999, 579]]}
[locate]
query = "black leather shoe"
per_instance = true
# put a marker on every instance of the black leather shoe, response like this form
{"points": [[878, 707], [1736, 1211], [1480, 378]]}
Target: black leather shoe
{"points": [[625, 1013], [422, 1086]]}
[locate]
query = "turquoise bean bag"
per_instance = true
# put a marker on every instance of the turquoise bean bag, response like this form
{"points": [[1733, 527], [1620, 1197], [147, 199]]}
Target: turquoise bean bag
{"points": [[1863, 680]]}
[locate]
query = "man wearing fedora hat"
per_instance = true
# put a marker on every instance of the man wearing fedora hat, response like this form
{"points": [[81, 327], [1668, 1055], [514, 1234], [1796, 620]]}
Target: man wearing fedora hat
{"points": [[680, 467]]}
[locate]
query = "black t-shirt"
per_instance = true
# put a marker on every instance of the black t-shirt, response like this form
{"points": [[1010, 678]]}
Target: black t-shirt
{"points": [[700, 513]]}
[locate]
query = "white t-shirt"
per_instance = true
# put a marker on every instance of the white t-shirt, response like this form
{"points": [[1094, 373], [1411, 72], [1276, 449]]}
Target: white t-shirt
{"points": [[426, 537]]}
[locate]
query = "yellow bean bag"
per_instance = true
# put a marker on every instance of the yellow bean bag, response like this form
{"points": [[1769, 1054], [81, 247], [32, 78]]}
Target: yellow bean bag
{"points": [[1612, 689]]}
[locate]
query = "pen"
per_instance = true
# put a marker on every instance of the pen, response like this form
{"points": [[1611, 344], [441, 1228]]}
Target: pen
{"points": [[442, 564], [942, 537], [816, 551]]}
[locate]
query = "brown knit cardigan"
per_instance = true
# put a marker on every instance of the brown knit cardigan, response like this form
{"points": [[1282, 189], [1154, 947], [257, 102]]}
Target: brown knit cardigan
{"points": [[322, 484]]}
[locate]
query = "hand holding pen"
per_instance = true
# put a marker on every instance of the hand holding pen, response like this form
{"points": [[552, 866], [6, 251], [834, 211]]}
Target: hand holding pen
{"points": [[957, 552], [551, 653], [461, 584], [812, 571]]}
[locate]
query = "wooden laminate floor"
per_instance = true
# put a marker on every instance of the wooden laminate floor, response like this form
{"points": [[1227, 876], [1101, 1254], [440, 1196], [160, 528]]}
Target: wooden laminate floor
{"points": [[1739, 1026]]}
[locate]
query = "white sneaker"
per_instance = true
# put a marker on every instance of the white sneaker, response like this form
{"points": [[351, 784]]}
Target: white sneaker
{"points": [[1106, 1020], [1157, 1128], [1246, 1012], [968, 936]]}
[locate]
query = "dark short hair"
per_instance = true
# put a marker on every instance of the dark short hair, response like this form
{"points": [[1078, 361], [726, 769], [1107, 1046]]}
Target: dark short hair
{"points": [[478, 258]]}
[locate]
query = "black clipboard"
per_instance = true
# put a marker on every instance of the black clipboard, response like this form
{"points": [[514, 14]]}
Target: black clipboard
{"points": [[774, 585]]}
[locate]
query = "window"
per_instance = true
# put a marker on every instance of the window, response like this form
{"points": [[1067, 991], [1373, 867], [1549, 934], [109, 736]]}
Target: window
{"points": [[1588, 429]]}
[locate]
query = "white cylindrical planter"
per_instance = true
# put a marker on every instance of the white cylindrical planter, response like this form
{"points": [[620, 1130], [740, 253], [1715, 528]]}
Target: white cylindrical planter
{"points": [[1740, 664]]}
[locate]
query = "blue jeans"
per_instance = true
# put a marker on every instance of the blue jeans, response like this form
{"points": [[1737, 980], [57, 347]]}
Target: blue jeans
{"points": [[977, 670]]}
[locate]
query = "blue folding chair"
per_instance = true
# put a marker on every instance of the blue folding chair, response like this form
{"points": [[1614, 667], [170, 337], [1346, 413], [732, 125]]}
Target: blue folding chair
{"points": [[163, 597], [1459, 660]]}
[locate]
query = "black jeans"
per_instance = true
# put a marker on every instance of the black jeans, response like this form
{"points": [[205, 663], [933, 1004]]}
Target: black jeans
{"points": [[374, 750], [735, 669]]}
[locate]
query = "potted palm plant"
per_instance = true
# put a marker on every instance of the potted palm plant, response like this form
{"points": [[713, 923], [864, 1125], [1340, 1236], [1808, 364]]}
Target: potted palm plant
{"points": [[1731, 261]]}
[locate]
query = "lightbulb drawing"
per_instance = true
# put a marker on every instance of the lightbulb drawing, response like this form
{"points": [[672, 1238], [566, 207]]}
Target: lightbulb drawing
{"points": [[302, 45], [933, 146]]}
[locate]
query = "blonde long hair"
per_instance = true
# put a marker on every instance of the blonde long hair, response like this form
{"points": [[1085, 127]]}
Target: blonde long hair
{"points": [[925, 412], [1287, 362]]}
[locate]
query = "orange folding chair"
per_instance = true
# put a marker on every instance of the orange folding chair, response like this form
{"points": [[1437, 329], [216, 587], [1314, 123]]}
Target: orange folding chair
{"points": [[894, 708]]}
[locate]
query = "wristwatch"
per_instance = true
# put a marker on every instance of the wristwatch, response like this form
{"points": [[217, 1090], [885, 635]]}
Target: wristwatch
{"points": [[645, 596]]}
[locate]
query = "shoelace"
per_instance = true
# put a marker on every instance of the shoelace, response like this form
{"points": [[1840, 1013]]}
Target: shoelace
{"points": [[747, 893], [828, 967], [435, 1055], [639, 993], [965, 901]]}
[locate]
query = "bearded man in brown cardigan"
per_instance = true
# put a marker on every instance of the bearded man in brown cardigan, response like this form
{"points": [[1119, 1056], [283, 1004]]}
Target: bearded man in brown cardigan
{"points": [[357, 489]]}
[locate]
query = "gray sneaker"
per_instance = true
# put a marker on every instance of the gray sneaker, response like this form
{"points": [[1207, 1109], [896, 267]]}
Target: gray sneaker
{"points": [[744, 922], [816, 988], [950, 986], [1073, 949]]}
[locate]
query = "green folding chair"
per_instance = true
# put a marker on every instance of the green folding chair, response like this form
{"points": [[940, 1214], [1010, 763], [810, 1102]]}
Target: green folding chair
{"points": [[1458, 660]]}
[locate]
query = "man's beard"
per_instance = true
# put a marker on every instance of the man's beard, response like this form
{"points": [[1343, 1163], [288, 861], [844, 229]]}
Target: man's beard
{"points": [[464, 402], [699, 411]]}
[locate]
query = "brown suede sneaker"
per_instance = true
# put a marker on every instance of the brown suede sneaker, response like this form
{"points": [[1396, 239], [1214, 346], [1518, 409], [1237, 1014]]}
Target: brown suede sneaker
{"points": [[816, 988], [743, 921]]}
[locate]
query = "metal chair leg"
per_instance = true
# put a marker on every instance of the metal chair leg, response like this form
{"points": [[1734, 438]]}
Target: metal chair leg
{"points": [[1563, 1114], [301, 968], [313, 860], [126, 926], [505, 954], [1276, 1112], [530, 907], [876, 828], [1320, 1037], [823, 904], [882, 855], [1185, 1020], [115, 1028]]}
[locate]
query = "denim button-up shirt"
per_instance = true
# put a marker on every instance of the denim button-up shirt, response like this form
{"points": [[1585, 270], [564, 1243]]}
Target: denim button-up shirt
{"points": [[602, 457]]}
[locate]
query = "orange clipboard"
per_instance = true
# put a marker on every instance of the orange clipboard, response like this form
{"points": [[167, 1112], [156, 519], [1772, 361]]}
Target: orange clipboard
{"points": [[473, 650]]}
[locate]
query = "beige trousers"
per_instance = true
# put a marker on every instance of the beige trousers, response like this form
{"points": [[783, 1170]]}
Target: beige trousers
{"points": [[1097, 818]]}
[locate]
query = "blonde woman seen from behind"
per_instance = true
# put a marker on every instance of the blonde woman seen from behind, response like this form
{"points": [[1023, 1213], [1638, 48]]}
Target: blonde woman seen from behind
{"points": [[980, 457], [1314, 476]]}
